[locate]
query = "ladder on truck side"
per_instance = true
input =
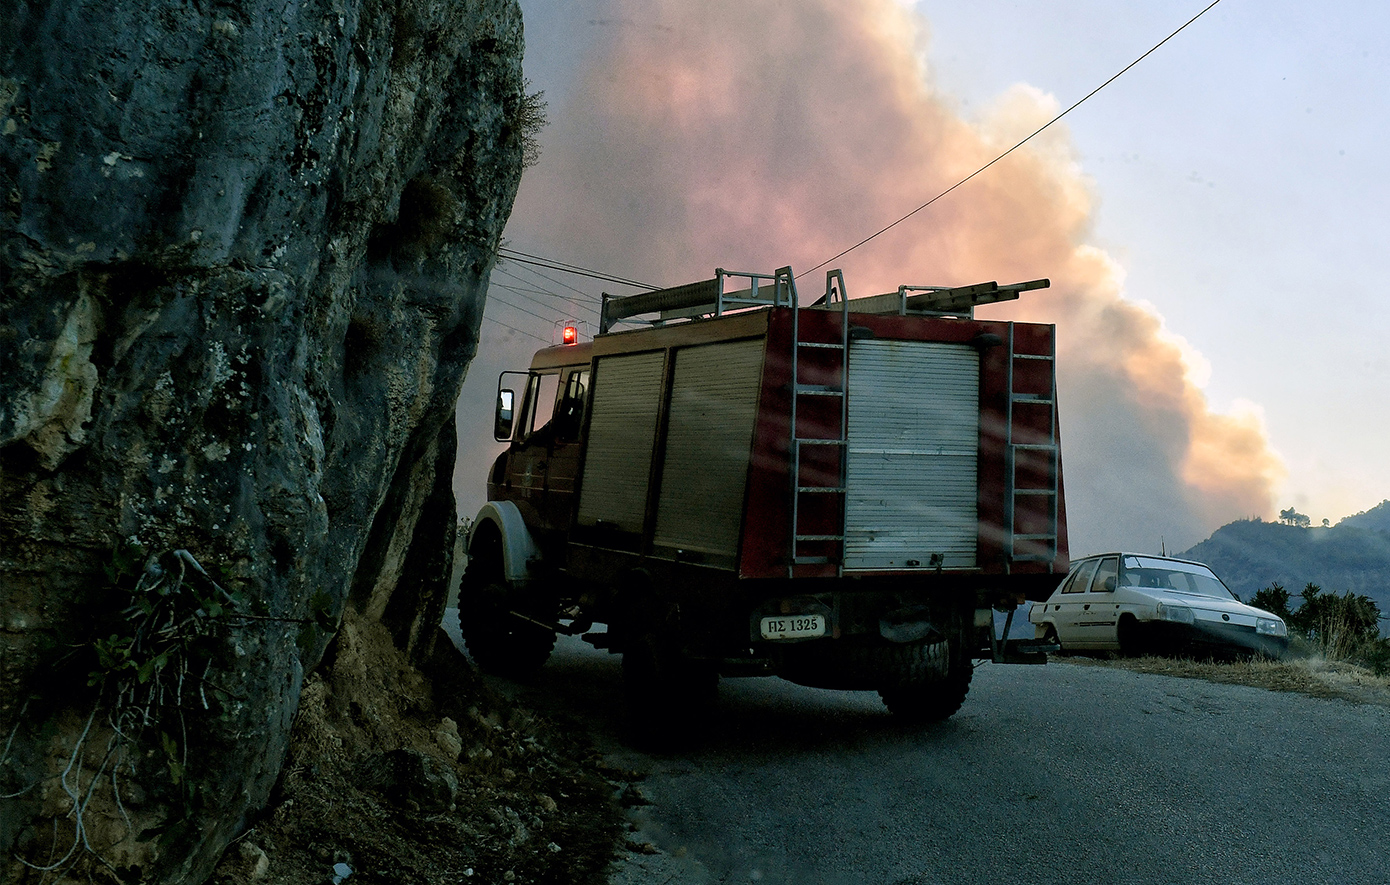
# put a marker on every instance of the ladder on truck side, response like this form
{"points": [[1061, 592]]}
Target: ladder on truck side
{"points": [[1036, 448], [835, 296]]}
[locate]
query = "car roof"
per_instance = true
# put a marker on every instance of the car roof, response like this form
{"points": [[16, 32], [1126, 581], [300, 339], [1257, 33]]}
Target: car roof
{"points": [[1123, 553]]}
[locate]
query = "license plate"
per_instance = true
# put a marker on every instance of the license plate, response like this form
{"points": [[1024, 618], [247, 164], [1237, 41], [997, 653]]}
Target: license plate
{"points": [[793, 627]]}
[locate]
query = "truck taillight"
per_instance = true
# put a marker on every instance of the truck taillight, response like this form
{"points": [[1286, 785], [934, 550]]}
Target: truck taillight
{"points": [[570, 335]]}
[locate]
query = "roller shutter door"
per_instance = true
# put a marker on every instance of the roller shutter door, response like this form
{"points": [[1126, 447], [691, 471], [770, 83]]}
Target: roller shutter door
{"points": [[714, 403], [913, 448], [622, 431]]}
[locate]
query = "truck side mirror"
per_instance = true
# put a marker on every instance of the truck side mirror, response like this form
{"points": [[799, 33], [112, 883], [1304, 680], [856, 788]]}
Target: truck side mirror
{"points": [[503, 417]]}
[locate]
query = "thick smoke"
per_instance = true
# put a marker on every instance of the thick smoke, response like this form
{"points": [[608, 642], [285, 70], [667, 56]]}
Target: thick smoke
{"points": [[751, 134]]}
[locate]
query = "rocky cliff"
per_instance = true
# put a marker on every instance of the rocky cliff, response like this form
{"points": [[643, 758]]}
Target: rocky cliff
{"points": [[243, 247]]}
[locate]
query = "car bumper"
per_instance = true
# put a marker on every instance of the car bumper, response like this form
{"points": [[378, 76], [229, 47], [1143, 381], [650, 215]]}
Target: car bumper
{"points": [[1209, 637]]}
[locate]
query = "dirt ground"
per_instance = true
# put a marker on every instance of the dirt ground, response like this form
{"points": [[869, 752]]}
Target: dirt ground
{"points": [[399, 776]]}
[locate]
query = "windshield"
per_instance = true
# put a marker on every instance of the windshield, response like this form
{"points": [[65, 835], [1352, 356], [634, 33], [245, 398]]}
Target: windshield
{"points": [[1178, 577]]}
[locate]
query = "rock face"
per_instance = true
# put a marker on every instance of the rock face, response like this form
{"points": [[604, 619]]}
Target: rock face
{"points": [[243, 247]]}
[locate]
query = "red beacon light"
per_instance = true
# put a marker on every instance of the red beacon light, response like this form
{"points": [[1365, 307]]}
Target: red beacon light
{"points": [[570, 335]]}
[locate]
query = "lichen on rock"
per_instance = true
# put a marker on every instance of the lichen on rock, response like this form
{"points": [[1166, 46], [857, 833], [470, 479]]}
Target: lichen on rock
{"points": [[242, 255]]}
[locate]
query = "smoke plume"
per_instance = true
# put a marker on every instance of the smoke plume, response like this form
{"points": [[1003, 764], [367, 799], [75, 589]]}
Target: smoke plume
{"points": [[751, 134]]}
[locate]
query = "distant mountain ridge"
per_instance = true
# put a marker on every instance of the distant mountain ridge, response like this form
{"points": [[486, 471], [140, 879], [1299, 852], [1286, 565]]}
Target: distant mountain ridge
{"points": [[1377, 518], [1354, 555]]}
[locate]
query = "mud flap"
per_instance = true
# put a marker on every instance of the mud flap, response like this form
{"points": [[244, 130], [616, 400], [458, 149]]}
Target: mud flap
{"points": [[1019, 651]]}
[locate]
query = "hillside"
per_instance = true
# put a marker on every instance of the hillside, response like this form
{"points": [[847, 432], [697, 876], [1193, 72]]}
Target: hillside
{"points": [[1376, 519], [1352, 555]]}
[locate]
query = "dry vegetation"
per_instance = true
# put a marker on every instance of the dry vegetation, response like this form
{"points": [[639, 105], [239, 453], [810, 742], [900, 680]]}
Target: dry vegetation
{"points": [[1315, 676]]}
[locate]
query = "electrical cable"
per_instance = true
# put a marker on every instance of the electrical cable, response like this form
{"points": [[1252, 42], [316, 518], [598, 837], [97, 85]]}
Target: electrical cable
{"points": [[552, 264], [532, 290], [515, 329], [1015, 147]]}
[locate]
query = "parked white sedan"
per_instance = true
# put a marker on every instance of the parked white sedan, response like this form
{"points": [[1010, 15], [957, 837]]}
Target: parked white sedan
{"points": [[1141, 604]]}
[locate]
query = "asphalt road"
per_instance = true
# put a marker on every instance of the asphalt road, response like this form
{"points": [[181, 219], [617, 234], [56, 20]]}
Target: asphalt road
{"points": [[1057, 774]]}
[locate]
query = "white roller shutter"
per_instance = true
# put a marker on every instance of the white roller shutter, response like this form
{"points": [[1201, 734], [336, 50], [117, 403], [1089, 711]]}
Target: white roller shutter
{"points": [[622, 431], [714, 402], [913, 448]]}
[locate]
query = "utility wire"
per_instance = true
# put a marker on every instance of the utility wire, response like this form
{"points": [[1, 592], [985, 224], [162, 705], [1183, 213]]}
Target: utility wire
{"points": [[531, 289], [552, 264], [1015, 147], [515, 329]]}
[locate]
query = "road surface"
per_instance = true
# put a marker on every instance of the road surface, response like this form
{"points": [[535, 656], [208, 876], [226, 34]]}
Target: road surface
{"points": [[1058, 774]]}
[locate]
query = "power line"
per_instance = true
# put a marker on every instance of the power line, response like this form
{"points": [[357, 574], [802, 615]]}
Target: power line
{"points": [[533, 290], [539, 316], [515, 329], [1015, 147], [552, 264]]}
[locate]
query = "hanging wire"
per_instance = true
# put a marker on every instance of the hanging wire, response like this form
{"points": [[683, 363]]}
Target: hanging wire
{"points": [[1036, 132]]}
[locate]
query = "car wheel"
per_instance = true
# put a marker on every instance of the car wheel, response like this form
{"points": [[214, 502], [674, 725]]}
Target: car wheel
{"points": [[1132, 637], [501, 643], [1050, 636]]}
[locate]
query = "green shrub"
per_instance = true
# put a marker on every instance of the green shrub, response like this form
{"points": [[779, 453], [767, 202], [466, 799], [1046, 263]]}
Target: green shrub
{"points": [[1339, 627]]}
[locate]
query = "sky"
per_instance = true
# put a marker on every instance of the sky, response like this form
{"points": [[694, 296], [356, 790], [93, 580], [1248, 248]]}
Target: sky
{"points": [[1211, 221]]}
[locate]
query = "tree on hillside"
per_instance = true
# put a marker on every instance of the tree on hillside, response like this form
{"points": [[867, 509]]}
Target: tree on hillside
{"points": [[1294, 518]]}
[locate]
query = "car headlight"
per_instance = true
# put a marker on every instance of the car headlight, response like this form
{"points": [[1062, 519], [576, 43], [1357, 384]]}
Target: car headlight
{"points": [[1178, 613], [1271, 627]]}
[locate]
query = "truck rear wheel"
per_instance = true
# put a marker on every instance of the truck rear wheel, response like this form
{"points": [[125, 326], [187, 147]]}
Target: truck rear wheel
{"points": [[666, 692], [925, 690], [501, 643]]}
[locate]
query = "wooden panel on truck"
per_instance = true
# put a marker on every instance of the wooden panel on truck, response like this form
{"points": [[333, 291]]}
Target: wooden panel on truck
{"points": [[622, 432], [714, 401], [914, 421]]}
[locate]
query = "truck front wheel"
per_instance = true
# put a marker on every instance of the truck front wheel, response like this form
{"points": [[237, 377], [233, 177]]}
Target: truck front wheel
{"points": [[499, 621]]}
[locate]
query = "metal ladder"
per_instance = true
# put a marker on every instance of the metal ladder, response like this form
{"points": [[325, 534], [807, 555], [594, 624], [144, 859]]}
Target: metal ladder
{"points": [[1047, 449], [834, 292]]}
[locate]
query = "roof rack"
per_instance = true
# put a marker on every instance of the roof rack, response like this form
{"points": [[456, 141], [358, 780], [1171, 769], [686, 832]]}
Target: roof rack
{"points": [[953, 301], [712, 298], [702, 299]]}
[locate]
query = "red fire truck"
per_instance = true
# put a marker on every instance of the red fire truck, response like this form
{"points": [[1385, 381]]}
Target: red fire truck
{"points": [[838, 494]]}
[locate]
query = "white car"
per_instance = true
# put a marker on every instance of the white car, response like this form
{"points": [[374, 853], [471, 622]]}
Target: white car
{"points": [[1138, 604]]}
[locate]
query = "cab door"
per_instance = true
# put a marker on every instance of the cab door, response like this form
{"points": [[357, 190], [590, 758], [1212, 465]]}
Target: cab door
{"points": [[562, 476], [529, 459]]}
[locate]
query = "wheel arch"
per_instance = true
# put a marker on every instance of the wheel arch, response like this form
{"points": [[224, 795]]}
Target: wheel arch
{"points": [[519, 550]]}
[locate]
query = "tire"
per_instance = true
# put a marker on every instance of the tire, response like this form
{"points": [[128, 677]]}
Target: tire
{"points": [[501, 643], [1131, 635], [932, 687], [934, 698], [667, 694], [1050, 635]]}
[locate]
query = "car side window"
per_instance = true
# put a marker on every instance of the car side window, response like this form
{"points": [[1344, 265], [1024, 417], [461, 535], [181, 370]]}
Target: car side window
{"points": [[1104, 581], [1081, 577]]}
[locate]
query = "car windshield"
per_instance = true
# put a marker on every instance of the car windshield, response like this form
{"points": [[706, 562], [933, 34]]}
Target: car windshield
{"points": [[1178, 577]]}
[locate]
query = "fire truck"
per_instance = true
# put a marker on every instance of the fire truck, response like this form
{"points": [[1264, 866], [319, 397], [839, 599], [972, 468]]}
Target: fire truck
{"points": [[736, 484]]}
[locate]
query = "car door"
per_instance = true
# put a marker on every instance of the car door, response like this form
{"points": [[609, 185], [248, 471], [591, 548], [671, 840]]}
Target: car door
{"points": [[1067, 604], [1095, 624]]}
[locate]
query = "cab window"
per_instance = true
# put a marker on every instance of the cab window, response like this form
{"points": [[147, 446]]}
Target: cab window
{"points": [[1081, 577], [570, 416], [540, 403]]}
